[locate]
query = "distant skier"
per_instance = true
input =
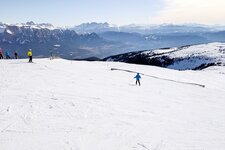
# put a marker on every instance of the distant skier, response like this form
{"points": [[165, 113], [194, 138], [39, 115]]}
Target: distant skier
{"points": [[7, 55], [1, 54], [16, 55], [29, 54], [138, 77], [51, 55]]}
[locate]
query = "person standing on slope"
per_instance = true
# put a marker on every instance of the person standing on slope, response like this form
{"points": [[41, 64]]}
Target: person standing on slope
{"points": [[7, 56], [29, 54], [1, 54], [138, 77], [16, 55]]}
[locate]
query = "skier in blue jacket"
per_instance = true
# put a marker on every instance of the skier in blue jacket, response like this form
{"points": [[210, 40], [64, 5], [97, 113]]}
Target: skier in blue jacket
{"points": [[138, 77]]}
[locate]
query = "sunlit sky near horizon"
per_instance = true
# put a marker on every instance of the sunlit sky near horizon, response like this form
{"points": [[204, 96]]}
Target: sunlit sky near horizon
{"points": [[119, 12]]}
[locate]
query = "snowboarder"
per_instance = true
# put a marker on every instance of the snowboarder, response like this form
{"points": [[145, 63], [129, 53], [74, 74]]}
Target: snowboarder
{"points": [[29, 54], [1, 54], [138, 77], [7, 56], [16, 55]]}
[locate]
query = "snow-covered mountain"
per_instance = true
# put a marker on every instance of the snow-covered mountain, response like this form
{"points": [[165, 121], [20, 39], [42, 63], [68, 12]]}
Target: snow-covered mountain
{"points": [[33, 25], [94, 27], [142, 37], [42, 38], [29, 24], [182, 58], [64, 105], [101, 39], [145, 37], [145, 29]]}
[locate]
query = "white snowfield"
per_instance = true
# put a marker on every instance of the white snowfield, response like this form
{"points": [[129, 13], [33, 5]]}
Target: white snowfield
{"points": [[65, 105], [199, 54], [190, 57]]}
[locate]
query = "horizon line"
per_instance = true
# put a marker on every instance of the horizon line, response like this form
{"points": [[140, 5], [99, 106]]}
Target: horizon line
{"points": [[113, 24]]}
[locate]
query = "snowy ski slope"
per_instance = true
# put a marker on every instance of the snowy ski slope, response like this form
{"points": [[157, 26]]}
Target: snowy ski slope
{"points": [[65, 105]]}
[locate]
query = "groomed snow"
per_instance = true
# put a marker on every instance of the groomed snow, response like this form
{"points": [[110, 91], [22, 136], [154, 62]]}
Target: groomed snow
{"points": [[65, 105]]}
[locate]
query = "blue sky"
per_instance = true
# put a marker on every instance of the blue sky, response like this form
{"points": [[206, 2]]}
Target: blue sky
{"points": [[120, 12]]}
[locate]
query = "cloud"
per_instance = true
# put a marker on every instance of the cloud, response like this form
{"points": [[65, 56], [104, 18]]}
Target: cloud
{"points": [[192, 11]]}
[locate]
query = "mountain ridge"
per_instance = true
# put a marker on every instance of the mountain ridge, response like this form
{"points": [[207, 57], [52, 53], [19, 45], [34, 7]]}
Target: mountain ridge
{"points": [[193, 57], [43, 36], [41, 39]]}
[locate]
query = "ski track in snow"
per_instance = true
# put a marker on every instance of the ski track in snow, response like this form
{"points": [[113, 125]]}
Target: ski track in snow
{"points": [[64, 105]]}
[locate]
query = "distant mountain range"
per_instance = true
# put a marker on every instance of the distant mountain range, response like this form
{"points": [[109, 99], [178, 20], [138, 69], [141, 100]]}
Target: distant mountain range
{"points": [[44, 39], [102, 39], [145, 29]]}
